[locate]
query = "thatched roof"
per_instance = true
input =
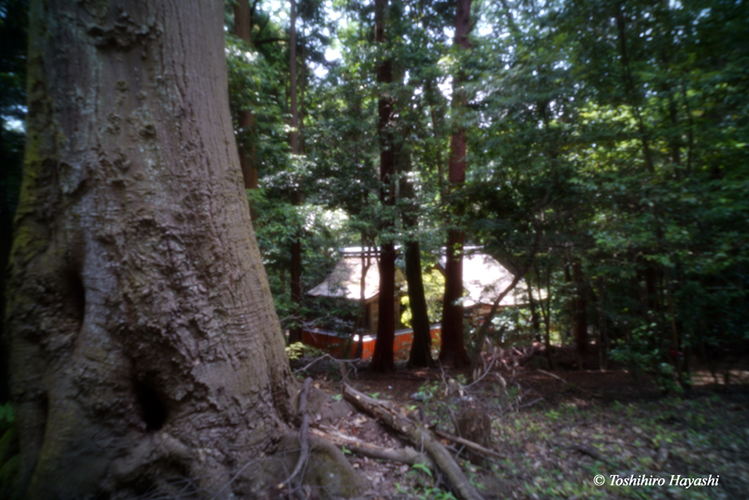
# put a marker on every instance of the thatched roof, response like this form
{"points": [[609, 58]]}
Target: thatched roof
{"points": [[484, 278], [345, 280]]}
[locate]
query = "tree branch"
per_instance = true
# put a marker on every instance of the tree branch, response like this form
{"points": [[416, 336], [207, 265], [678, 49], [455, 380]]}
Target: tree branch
{"points": [[420, 436]]}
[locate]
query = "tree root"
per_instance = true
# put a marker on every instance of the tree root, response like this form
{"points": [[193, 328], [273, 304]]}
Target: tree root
{"points": [[303, 434], [419, 436]]}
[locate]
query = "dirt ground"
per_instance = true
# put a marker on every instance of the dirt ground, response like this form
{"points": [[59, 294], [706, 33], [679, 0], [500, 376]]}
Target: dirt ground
{"points": [[555, 431]]}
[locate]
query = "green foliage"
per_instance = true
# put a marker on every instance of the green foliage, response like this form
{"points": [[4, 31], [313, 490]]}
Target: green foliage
{"points": [[298, 350], [606, 136], [645, 353], [422, 467]]}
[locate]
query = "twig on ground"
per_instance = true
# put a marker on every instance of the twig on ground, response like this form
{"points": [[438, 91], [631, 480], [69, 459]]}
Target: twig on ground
{"points": [[467, 443], [351, 362], [552, 375], [486, 372], [591, 453], [595, 395], [529, 404]]}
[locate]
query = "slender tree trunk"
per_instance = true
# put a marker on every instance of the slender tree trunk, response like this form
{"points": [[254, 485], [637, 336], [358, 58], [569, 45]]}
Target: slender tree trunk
{"points": [[602, 327], [546, 309], [6, 228], [383, 355], [295, 332], [453, 350], [421, 348], [247, 157], [366, 263], [144, 342], [581, 309], [534, 313], [629, 83]]}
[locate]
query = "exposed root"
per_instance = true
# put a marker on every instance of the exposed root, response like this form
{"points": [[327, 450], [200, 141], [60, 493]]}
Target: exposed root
{"points": [[303, 434]]}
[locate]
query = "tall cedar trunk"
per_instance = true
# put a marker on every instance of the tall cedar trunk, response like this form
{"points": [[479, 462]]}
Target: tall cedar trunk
{"points": [[366, 263], [6, 227], [581, 309], [247, 157], [295, 333], [421, 347], [632, 93], [383, 355], [144, 343], [453, 351]]}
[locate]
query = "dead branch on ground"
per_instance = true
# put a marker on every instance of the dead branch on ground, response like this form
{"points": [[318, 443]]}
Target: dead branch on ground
{"points": [[467, 443], [419, 436], [406, 455], [595, 395]]}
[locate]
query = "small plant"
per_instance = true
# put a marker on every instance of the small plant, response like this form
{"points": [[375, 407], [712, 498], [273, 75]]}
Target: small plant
{"points": [[298, 350], [423, 468]]}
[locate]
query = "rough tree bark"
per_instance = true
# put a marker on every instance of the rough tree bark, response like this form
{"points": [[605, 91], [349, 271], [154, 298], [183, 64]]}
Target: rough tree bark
{"points": [[383, 358], [453, 350], [295, 332], [144, 344]]}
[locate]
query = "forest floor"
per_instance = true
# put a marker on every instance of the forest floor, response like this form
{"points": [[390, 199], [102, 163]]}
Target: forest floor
{"points": [[556, 431]]}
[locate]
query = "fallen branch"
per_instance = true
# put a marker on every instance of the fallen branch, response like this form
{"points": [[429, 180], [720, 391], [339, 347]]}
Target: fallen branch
{"points": [[595, 395], [467, 443], [529, 404], [552, 375], [419, 436], [407, 455], [339, 362]]}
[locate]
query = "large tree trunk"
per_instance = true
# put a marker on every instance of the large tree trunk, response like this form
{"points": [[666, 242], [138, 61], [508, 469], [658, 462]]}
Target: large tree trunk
{"points": [[145, 346], [383, 359], [453, 351], [295, 333]]}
